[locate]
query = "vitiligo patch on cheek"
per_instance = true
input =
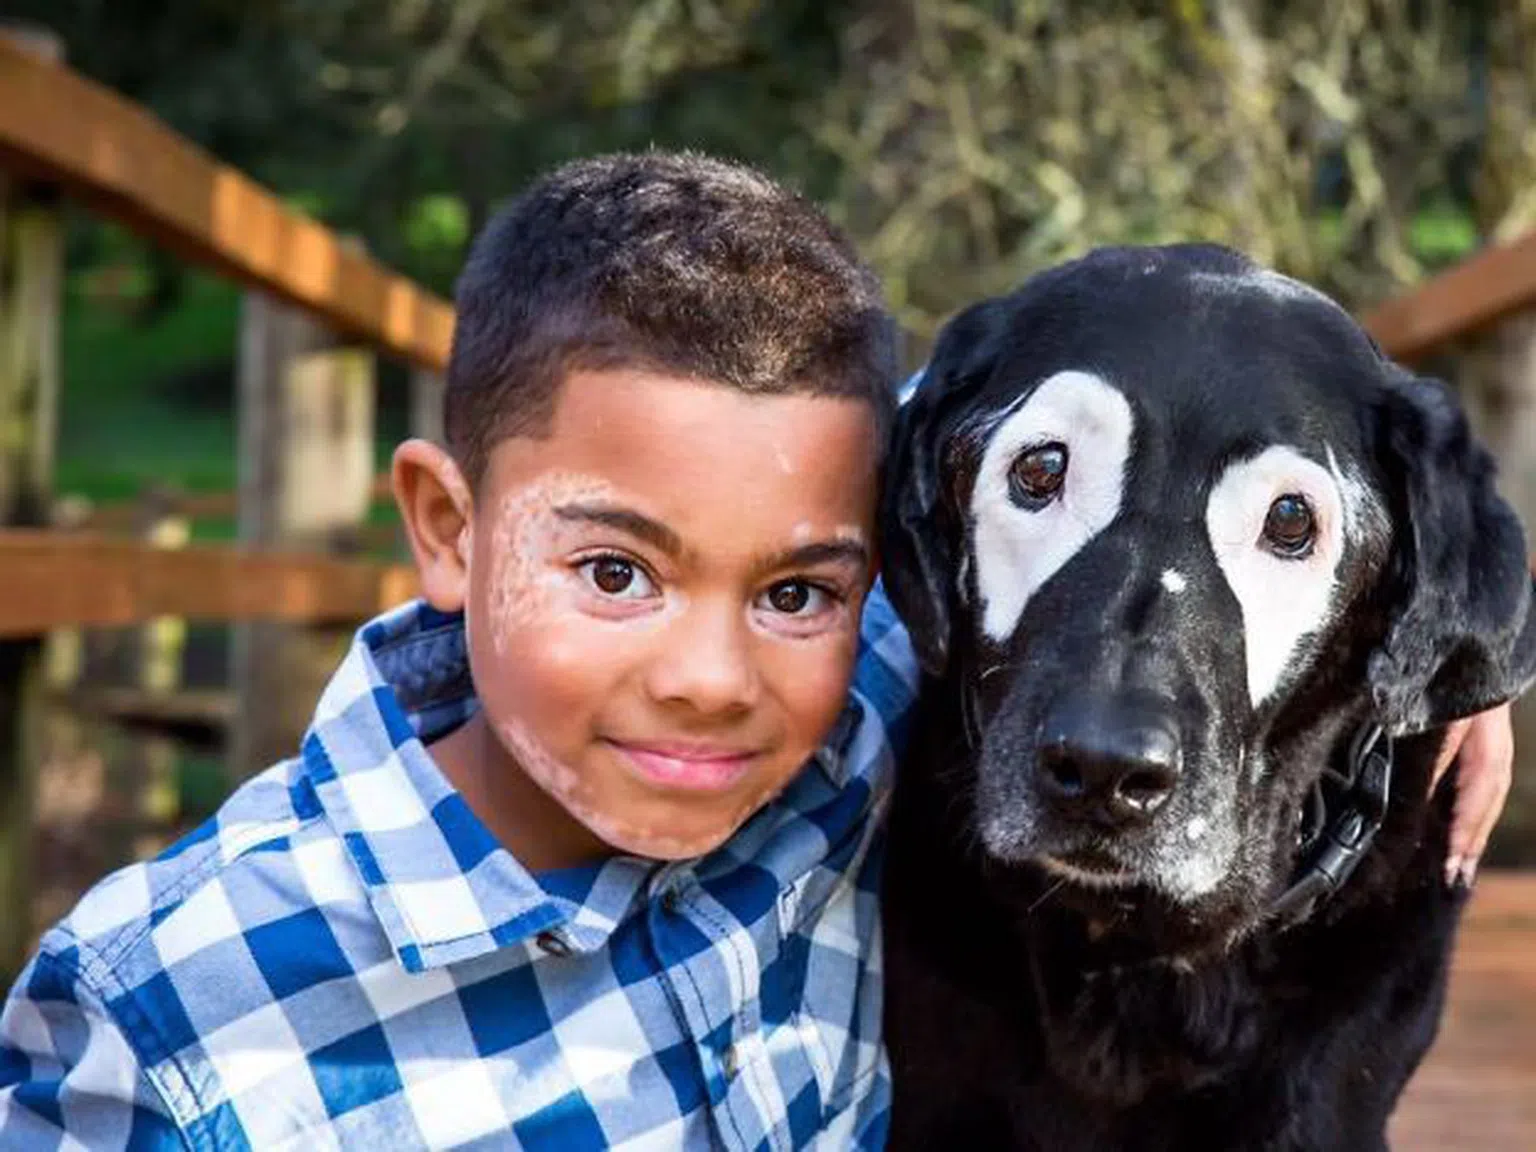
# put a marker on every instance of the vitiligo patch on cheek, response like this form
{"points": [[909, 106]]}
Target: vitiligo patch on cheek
{"points": [[525, 534], [584, 799]]}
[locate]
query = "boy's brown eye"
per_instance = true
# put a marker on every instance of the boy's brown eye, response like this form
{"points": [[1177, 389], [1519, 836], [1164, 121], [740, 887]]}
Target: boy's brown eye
{"points": [[612, 575], [790, 597]]}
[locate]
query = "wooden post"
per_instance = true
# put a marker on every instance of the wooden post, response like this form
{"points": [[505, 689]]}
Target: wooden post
{"points": [[161, 643], [31, 272], [427, 405], [306, 419]]}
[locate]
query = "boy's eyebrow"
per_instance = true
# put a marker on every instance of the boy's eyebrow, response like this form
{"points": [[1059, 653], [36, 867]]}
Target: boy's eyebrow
{"points": [[819, 552], [657, 534], [642, 527]]}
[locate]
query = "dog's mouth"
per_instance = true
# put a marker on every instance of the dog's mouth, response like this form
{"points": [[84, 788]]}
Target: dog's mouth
{"points": [[1087, 868]]}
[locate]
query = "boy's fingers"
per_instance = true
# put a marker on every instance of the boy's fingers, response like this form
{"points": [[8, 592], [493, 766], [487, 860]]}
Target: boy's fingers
{"points": [[1455, 733], [1483, 780]]}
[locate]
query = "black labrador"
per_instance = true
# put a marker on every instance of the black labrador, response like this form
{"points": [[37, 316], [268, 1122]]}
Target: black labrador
{"points": [[1197, 577]]}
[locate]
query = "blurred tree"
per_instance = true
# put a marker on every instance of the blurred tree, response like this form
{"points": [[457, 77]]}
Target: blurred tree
{"points": [[966, 142], [986, 139]]}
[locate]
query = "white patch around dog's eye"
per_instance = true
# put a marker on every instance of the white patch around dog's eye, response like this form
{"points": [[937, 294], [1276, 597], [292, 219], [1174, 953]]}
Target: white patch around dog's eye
{"points": [[1019, 546], [1286, 592]]}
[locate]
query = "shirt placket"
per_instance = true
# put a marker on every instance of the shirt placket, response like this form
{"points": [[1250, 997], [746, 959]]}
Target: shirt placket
{"points": [[715, 990]]}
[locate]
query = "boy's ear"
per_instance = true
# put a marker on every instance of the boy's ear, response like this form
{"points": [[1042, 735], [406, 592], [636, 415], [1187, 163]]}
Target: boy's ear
{"points": [[437, 510]]}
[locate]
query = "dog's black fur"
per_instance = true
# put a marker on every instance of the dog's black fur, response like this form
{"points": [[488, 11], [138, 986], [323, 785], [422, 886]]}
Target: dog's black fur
{"points": [[1028, 1011]]}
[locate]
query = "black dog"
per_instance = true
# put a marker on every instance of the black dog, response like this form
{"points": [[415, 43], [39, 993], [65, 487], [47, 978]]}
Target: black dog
{"points": [[1197, 577]]}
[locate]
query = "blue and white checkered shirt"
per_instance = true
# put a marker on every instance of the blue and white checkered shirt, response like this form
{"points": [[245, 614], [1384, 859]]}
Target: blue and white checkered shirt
{"points": [[343, 957]]}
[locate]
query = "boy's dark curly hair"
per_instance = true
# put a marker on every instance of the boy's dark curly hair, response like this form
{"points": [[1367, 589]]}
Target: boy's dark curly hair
{"points": [[671, 262]]}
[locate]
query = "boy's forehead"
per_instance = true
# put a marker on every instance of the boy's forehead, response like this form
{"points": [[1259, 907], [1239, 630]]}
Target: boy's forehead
{"points": [[696, 450]]}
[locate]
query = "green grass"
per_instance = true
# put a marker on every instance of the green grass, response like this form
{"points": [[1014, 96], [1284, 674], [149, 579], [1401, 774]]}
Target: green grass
{"points": [[153, 402], [120, 426]]}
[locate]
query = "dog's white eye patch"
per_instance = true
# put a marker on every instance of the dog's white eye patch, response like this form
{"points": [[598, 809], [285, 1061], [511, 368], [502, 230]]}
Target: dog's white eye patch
{"points": [[1016, 549], [1283, 600]]}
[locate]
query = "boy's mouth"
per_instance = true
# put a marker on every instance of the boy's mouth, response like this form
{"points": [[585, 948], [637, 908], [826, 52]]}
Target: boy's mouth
{"points": [[691, 767]]}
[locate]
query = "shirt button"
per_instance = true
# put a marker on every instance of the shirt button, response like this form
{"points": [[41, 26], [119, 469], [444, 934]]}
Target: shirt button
{"points": [[728, 1062], [553, 943], [670, 901]]}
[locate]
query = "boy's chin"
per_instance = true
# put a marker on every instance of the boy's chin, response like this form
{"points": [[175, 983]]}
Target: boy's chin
{"points": [[666, 831]]}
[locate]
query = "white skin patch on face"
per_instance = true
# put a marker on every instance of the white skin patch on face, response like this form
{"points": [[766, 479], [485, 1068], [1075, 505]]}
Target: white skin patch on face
{"points": [[1174, 581], [1018, 549], [1283, 599], [531, 580], [575, 795]]}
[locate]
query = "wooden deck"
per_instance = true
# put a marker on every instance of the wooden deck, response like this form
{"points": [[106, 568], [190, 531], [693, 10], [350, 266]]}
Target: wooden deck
{"points": [[1477, 1089]]}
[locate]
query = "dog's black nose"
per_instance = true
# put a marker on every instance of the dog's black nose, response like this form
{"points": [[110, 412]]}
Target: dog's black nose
{"points": [[1110, 763]]}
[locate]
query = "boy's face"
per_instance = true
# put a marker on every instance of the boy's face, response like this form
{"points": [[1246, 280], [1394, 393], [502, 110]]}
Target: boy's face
{"points": [[662, 598]]}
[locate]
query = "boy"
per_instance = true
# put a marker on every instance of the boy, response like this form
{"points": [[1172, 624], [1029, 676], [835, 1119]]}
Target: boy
{"points": [[578, 852], [548, 871]]}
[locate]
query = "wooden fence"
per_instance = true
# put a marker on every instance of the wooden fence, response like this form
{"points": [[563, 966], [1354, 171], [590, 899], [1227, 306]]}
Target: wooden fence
{"points": [[62, 135]]}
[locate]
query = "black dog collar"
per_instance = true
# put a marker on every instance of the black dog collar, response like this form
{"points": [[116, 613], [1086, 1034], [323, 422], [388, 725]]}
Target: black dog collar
{"points": [[1344, 812]]}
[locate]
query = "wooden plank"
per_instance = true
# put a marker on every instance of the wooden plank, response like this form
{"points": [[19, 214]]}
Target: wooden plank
{"points": [[122, 515], [50, 579], [128, 165], [31, 279], [1473, 1091], [1482, 290]]}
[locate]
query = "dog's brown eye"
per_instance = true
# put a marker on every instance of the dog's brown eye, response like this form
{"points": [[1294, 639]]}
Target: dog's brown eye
{"points": [[1289, 528], [1037, 475]]}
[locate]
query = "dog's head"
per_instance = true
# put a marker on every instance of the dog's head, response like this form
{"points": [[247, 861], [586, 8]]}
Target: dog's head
{"points": [[1170, 528]]}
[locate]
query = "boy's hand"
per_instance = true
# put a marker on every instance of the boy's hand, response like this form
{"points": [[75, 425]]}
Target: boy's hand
{"points": [[1485, 745]]}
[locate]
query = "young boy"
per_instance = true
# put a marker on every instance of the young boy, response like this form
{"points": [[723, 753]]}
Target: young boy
{"points": [[580, 851], [577, 853]]}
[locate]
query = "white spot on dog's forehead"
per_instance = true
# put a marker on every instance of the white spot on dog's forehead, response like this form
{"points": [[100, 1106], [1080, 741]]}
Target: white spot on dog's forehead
{"points": [[1173, 580], [1018, 549], [1283, 600]]}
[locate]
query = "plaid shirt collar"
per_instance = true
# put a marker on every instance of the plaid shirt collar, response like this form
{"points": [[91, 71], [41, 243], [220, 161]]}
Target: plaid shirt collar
{"points": [[404, 684]]}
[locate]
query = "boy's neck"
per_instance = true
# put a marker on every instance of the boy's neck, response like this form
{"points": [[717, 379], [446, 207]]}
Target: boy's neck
{"points": [[526, 820]]}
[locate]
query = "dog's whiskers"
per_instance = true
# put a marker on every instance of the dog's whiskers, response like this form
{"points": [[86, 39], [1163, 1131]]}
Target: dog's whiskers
{"points": [[1046, 895]]}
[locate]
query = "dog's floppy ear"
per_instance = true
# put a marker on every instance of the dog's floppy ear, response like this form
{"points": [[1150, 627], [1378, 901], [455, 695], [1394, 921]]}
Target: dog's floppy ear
{"points": [[921, 529], [1462, 634]]}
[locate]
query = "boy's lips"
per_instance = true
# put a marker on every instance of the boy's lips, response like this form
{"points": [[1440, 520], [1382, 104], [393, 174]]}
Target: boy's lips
{"points": [[693, 767]]}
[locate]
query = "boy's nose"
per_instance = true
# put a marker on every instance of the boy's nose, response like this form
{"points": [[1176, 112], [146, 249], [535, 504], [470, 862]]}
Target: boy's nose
{"points": [[705, 661]]}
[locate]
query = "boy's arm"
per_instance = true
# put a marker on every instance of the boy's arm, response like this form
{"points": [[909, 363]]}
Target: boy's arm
{"points": [[66, 1069]]}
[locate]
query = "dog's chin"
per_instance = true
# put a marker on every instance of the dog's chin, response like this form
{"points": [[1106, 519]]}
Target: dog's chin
{"points": [[1131, 917], [1087, 870]]}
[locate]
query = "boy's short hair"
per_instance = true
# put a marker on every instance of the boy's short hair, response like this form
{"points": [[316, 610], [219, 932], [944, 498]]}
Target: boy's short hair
{"points": [[671, 262]]}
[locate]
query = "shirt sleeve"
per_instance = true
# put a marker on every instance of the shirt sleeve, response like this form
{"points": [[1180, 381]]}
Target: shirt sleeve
{"points": [[69, 1078]]}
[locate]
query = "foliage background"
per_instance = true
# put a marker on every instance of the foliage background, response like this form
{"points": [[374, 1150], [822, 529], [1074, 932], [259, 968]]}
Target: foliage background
{"points": [[1355, 143]]}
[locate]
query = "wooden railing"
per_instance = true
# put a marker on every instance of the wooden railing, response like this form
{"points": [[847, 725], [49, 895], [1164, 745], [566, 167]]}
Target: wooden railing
{"points": [[119, 159], [60, 127]]}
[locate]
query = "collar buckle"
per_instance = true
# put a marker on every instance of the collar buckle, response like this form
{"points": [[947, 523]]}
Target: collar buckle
{"points": [[1333, 848]]}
